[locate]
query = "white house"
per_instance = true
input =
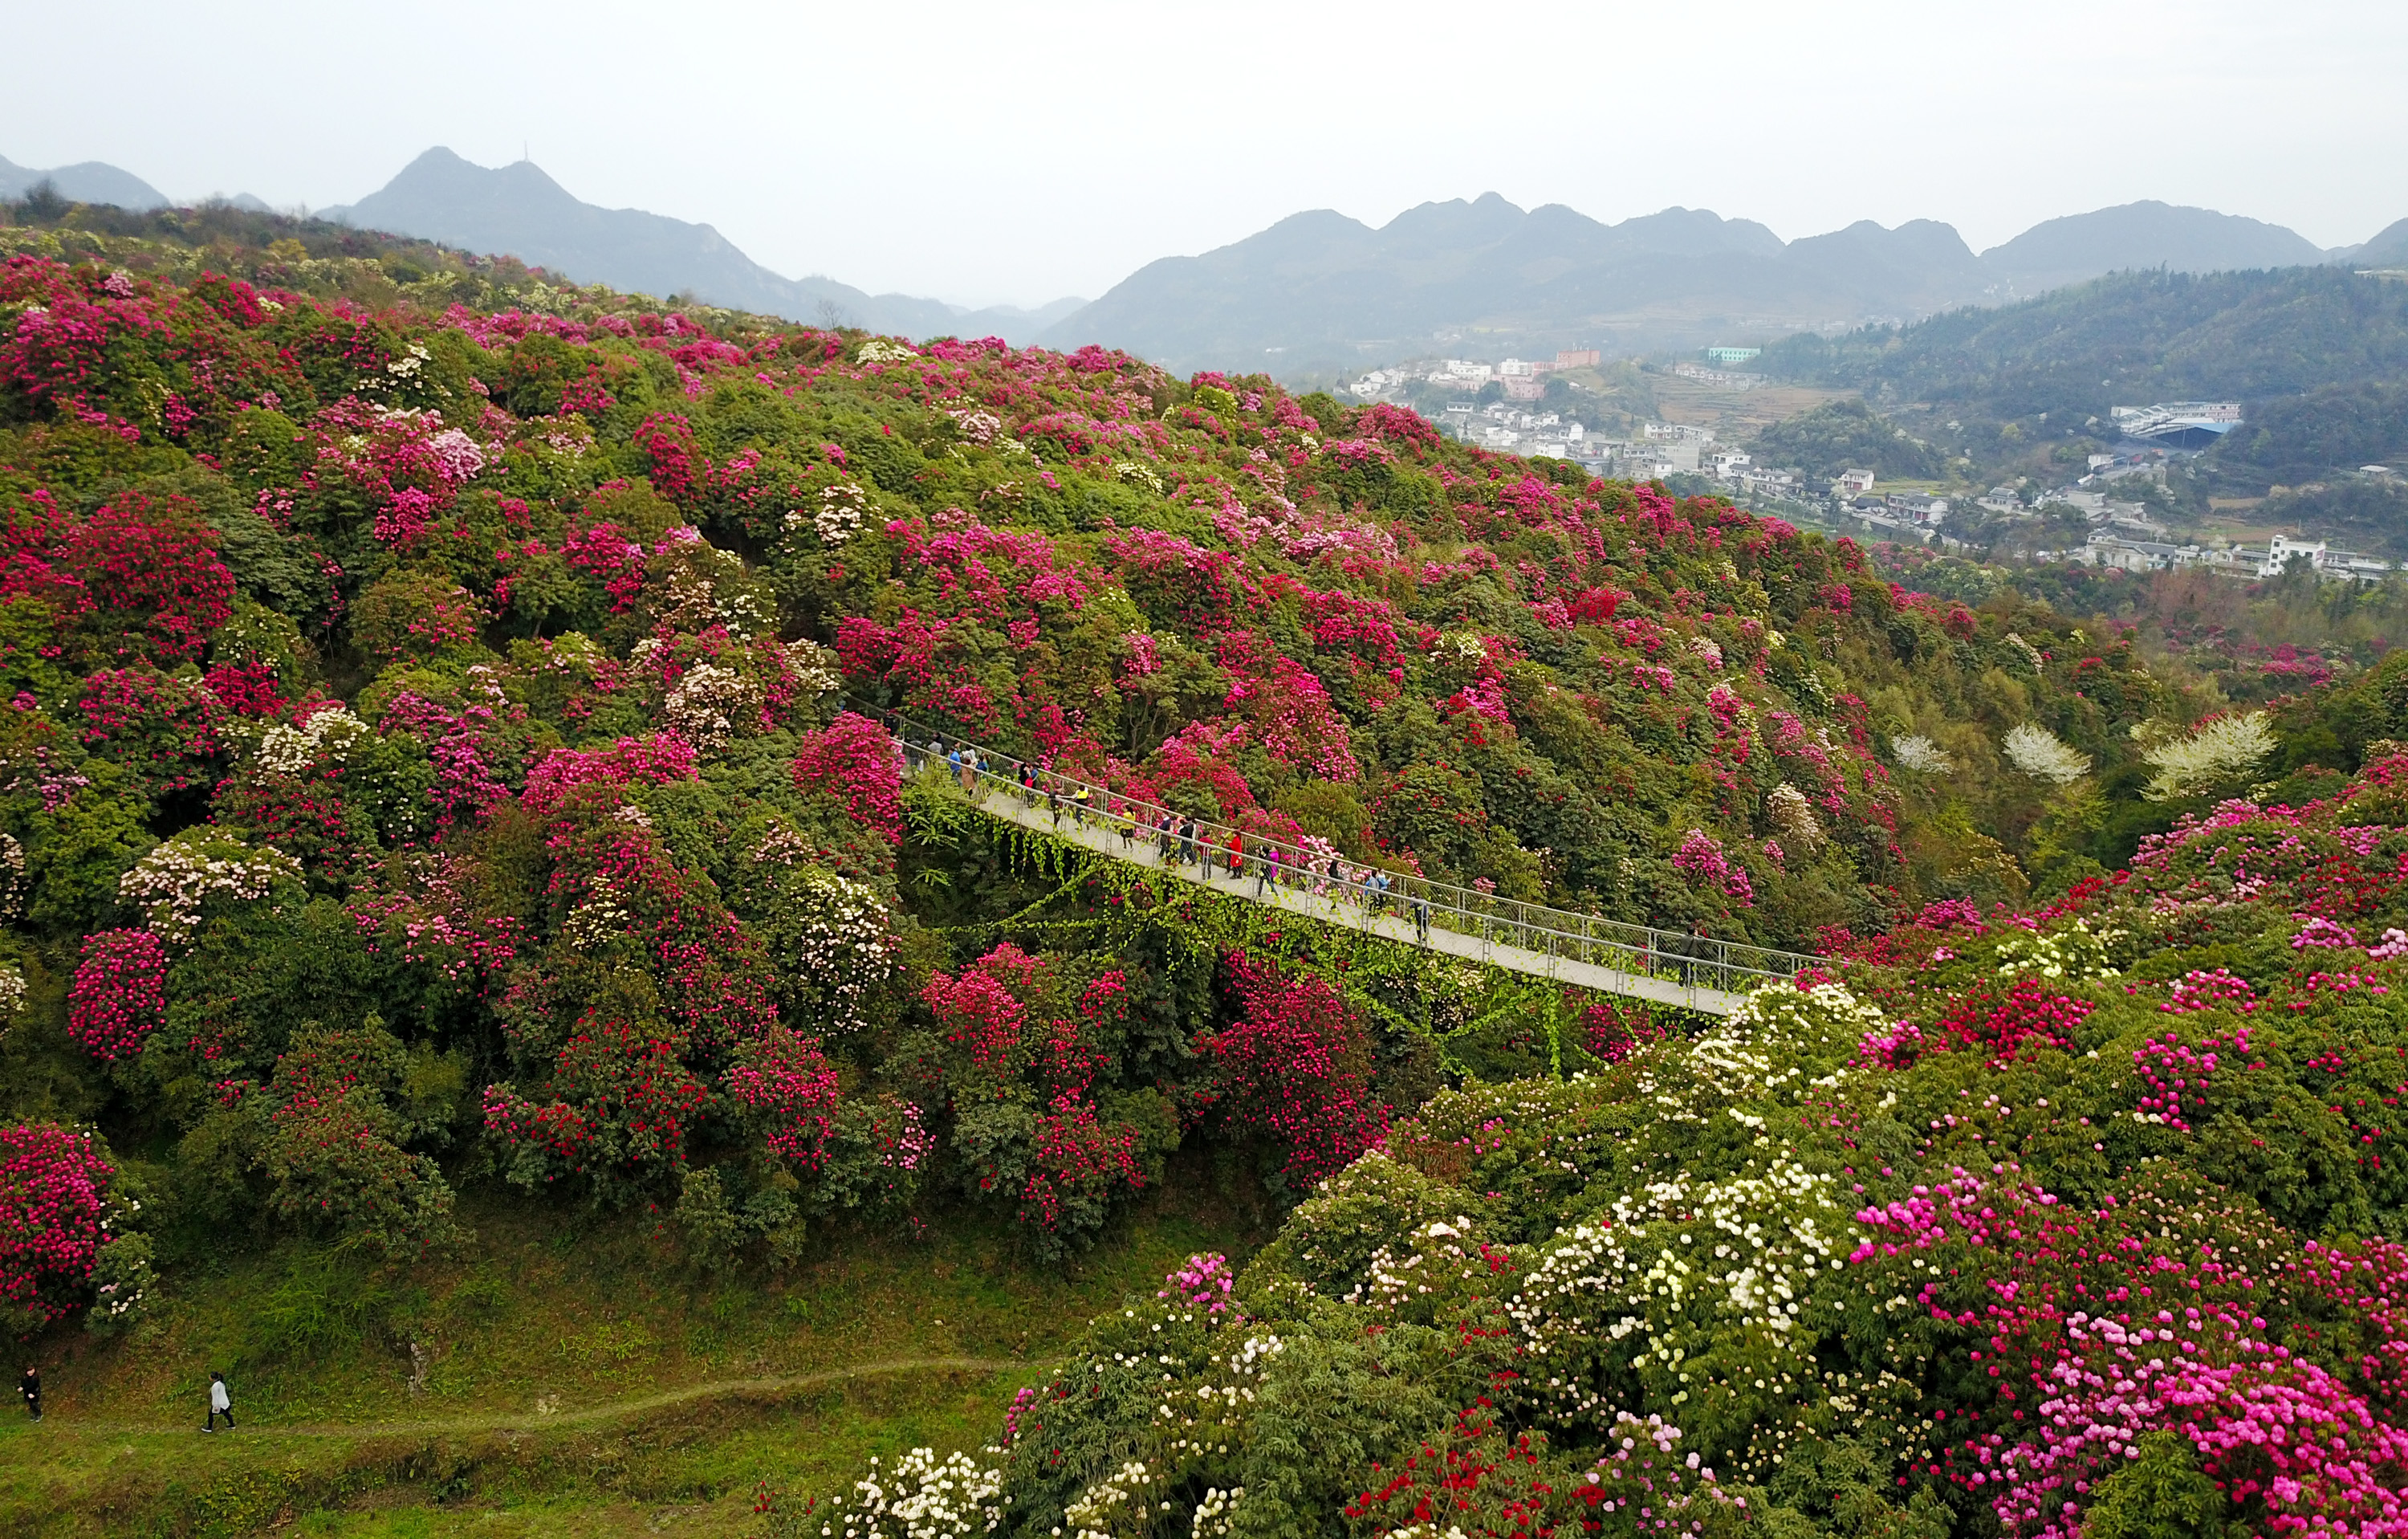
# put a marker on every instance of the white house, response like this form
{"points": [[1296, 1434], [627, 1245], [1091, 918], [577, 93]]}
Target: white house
{"points": [[2283, 550]]}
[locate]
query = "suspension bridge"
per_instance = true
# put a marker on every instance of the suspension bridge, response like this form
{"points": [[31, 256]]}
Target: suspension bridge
{"points": [[1586, 951]]}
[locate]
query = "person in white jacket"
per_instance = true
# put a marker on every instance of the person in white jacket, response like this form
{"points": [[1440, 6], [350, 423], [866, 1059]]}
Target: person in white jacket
{"points": [[220, 1405]]}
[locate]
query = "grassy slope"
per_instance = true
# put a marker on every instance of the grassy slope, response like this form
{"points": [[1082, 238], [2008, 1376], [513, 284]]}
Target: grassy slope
{"points": [[576, 1381]]}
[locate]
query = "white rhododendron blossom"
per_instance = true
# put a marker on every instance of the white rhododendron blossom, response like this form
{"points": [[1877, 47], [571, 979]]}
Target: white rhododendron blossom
{"points": [[2224, 749], [598, 921], [844, 946], [1787, 809], [922, 1497], [1689, 1269], [2067, 955], [976, 426], [172, 883], [842, 509], [327, 736], [709, 705], [1757, 1048], [817, 670], [2044, 756], [12, 877], [1922, 755]]}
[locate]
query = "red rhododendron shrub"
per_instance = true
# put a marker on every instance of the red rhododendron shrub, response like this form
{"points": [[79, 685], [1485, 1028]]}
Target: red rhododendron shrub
{"points": [[619, 1110], [655, 760], [1612, 1031], [332, 835], [55, 1220], [622, 897], [854, 760], [163, 727], [248, 689], [785, 1087], [1484, 1480], [118, 995], [1295, 1069], [2029, 1017], [152, 583], [474, 749], [334, 1150], [414, 615], [1032, 1064]]}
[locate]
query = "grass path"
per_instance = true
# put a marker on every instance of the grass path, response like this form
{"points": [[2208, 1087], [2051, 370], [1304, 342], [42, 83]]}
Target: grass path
{"points": [[538, 1421]]}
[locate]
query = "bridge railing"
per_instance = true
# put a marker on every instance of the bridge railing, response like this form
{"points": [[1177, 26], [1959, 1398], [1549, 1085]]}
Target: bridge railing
{"points": [[1218, 850]]}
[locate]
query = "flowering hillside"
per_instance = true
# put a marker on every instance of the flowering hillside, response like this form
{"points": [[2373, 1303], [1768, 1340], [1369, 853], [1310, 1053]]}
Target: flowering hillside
{"points": [[427, 761], [2072, 1220]]}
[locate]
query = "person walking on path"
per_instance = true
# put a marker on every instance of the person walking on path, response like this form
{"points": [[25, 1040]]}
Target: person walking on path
{"points": [[220, 1405], [31, 1387]]}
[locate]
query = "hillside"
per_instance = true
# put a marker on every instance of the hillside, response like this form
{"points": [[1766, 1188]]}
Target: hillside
{"points": [[2018, 1222], [2388, 248], [2309, 353], [440, 824], [520, 211]]}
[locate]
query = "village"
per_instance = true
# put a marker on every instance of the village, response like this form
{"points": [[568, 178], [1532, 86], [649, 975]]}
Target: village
{"points": [[2124, 534]]}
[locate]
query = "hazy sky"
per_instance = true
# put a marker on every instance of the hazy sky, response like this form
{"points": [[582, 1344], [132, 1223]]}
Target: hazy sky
{"points": [[1016, 153]]}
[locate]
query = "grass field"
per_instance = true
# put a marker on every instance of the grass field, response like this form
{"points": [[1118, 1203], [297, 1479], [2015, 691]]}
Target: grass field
{"points": [[557, 1379]]}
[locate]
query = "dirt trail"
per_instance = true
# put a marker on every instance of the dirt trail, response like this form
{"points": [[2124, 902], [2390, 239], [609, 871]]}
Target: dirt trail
{"points": [[537, 1421]]}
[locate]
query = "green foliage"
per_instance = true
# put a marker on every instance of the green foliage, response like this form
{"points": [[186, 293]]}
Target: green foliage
{"points": [[2335, 427], [2160, 1495], [2125, 339], [1845, 435]]}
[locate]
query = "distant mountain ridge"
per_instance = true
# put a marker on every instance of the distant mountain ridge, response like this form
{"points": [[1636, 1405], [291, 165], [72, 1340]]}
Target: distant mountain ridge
{"points": [[1319, 291], [86, 181], [2080, 247], [520, 211]]}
